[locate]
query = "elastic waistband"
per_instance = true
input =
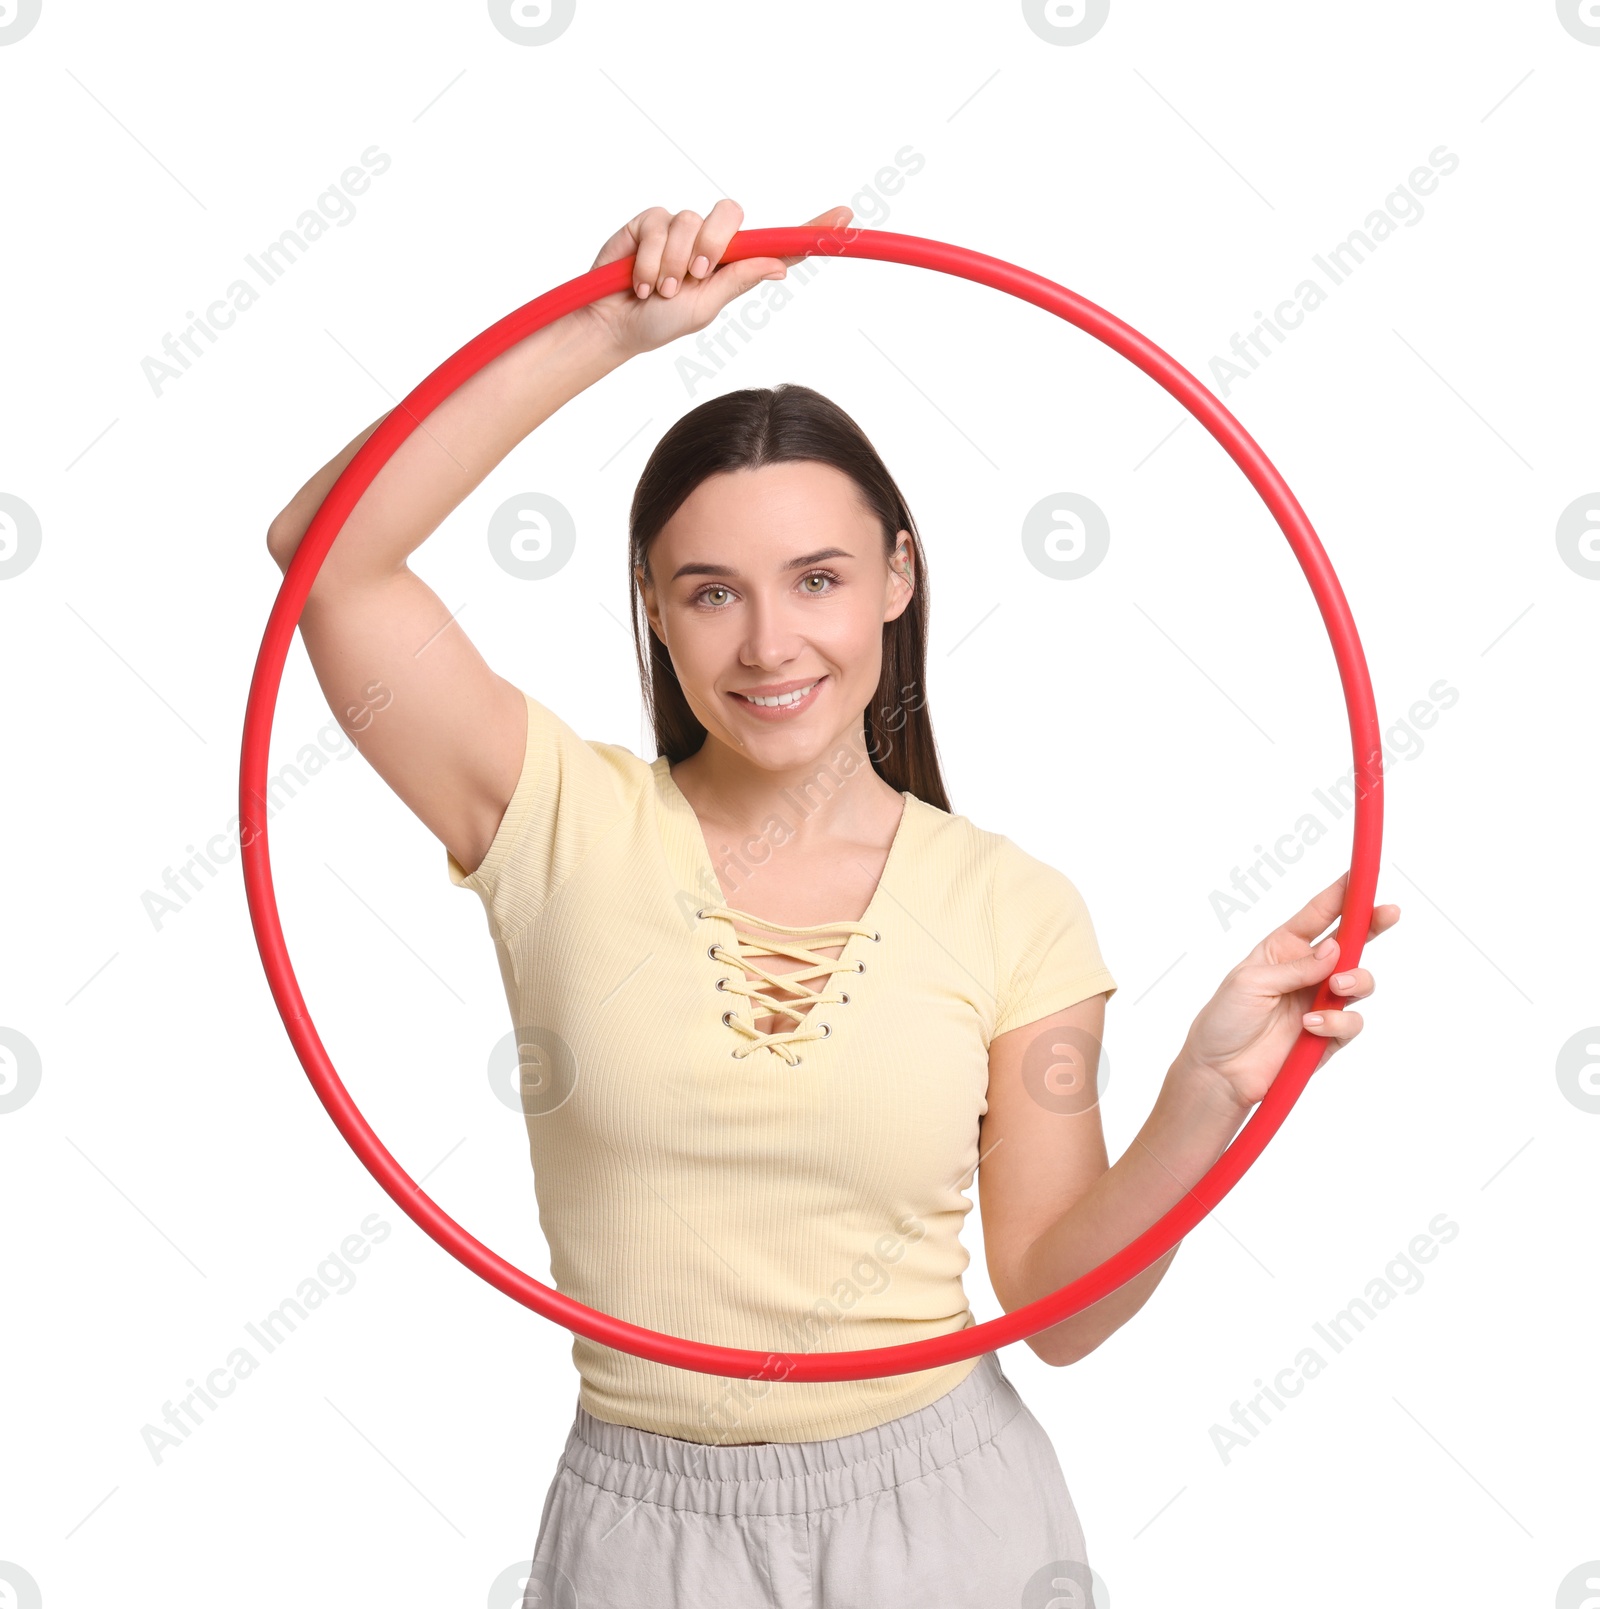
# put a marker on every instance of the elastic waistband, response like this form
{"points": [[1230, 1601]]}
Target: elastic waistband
{"points": [[793, 1477]]}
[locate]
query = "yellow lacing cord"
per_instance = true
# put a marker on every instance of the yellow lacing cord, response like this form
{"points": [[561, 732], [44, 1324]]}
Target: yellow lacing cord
{"points": [[823, 966]]}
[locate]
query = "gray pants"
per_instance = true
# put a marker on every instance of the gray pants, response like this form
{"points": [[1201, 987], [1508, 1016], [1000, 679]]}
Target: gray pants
{"points": [[961, 1504]]}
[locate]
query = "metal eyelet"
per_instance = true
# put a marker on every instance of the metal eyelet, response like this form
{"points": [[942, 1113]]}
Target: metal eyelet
{"points": [[796, 1062], [700, 916], [861, 966], [827, 1028], [722, 983], [844, 999], [725, 1016], [712, 951], [877, 938]]}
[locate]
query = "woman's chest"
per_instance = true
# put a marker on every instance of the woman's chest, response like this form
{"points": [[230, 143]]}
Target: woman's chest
{"points": [[791, 970], [665, 1055], [787, 928]]}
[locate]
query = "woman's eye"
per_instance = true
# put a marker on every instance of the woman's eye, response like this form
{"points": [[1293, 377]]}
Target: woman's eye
{"points": [[705, 596]]}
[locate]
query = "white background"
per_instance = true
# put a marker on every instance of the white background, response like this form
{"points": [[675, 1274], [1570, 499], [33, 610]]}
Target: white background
{"points": [[173, 1176]]}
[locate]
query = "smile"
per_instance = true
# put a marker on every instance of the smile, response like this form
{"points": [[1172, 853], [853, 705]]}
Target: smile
{"points": [[782, 704]]}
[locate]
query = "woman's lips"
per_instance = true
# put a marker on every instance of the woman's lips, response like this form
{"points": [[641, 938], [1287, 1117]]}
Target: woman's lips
{"points": [[780, 712]]}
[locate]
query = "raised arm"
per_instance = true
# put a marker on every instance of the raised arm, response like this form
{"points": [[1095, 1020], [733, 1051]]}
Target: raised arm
{"points": [[402, 678]]}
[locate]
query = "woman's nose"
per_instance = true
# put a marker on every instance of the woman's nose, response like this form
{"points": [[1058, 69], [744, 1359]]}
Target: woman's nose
{"points": [[771, 638]]}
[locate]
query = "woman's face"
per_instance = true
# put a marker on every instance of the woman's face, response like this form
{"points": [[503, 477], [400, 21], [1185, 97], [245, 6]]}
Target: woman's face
{"points": [[771, 580]]}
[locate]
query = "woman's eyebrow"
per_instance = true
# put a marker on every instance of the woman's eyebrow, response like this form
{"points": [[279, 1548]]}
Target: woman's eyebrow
{"points": [[793, 564]]}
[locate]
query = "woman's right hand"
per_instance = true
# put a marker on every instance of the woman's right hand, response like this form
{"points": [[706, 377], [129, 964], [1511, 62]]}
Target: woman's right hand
{"points": [[678, 287]]}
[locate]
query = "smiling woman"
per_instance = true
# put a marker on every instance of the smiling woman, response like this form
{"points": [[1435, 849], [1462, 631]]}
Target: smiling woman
{"points": [[829, 1035], [755, 1097], [759, 1097]]}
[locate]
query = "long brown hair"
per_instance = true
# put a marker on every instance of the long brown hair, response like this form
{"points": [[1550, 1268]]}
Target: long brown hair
{"points": [[777, 425]]}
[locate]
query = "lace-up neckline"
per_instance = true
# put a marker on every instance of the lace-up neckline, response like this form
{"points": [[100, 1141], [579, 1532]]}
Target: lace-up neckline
{"points": [[810, 986], [747, 956]]}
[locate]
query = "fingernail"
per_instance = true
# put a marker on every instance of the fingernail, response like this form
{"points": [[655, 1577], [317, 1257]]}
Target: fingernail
{"points": [[1327, 947], [777, 273], [1313, 1018], [643, 290], [698, 267], [668, 286], [1341, 980]]}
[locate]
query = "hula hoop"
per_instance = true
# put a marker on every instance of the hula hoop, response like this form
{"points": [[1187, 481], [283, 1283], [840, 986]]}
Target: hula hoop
{"points": [[877, 1362]]}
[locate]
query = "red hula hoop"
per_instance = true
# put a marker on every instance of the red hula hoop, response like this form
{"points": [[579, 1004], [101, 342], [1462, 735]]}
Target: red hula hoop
{"points": [[1161, 1236]]}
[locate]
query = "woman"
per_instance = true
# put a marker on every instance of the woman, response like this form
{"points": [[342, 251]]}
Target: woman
{"points": [[774, 1001]]}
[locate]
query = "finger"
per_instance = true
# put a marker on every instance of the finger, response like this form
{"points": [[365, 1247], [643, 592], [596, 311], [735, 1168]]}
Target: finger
{"points": [[1318, 912], [622, 244], [1342, 1026], [650, 231], [721, 224], [1356, 985], [1298, 972], [681, 235], [732, 280], [1383, 918], [834, 218]]}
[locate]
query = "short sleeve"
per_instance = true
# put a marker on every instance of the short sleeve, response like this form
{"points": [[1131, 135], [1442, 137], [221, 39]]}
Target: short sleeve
{"points": [[567, 795], [1046, 954]]}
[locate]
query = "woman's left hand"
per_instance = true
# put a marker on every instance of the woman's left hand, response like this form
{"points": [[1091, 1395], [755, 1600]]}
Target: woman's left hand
{"points": [[1246, 1030]]}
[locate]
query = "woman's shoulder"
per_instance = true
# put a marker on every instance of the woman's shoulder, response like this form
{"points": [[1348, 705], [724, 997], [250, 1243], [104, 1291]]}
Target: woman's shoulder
{"points": [[611, 765], [633, 775], [1046, 952], [1012, 883], [982, 867], [954, 834]]}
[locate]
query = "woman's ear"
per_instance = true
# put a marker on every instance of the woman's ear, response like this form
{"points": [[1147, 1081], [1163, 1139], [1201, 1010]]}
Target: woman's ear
{"points": [[647, 591], [902, 562]]}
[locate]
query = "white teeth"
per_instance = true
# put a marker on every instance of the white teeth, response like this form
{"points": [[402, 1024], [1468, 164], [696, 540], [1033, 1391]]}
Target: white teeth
{"points": [[781, 698]]}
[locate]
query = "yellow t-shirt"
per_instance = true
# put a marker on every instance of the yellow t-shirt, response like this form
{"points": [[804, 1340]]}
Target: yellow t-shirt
{"points": [[737, 1199]]}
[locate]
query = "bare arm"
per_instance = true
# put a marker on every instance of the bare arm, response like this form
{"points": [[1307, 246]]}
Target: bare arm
{"points": [[1052, 1208], [451, 451], [405, 682]]}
